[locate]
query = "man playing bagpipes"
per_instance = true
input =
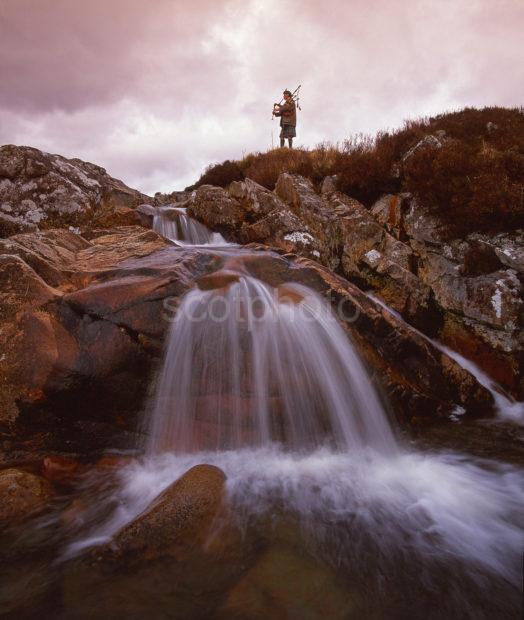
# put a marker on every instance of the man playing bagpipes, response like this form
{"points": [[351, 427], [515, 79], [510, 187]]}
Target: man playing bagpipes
{"points": [[287, 112]]}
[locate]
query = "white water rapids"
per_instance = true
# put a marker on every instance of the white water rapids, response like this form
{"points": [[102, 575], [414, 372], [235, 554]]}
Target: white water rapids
{"points": [[271, 390]]}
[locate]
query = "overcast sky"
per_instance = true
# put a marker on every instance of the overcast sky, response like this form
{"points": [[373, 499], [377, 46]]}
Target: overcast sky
{"points": [[155, 90]]}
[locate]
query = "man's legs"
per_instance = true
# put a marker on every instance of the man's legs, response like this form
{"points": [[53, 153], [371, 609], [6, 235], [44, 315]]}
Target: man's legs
{"points": [[284, 134]]}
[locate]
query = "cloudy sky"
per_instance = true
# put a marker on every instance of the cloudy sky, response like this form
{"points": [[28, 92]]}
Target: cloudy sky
{"points": [[155, 90]]}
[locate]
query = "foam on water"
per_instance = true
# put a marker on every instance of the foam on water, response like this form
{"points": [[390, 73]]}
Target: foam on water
{"points": [[434, 505]]}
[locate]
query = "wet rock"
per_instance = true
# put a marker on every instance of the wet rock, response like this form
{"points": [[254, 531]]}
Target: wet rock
{"points": [[40, 190], [288, 295], [82, 353], [60, 469], [21, 495], [498, 353], [420, 380], [113, 462], [179, 520], [146, 213], [193, 562], [84, 322], [219, 280]]}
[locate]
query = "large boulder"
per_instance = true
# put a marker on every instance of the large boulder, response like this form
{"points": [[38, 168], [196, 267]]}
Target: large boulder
{"points": [[179, 520], [82, 329], [22, 495], [182, 549], [40, 190], [215, 208]]}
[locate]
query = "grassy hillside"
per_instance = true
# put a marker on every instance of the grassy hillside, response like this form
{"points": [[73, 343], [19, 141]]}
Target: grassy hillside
{"points": [[474, 179]]}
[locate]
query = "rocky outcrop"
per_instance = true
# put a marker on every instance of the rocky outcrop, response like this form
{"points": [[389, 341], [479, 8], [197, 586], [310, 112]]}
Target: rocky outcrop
{"points": [[39, 190], [247, 212], [84, 321], [467, 292]]}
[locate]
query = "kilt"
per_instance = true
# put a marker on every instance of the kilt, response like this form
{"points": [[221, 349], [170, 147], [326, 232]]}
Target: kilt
{"points": [[288, 131]]}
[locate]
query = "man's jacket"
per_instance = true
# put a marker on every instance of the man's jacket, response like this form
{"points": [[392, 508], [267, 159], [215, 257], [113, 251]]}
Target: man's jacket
{"points": [[288, 113]]}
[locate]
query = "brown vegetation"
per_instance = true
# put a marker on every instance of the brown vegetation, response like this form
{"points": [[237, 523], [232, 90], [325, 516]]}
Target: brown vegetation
{"points": [[475, 180], [220, 175]]}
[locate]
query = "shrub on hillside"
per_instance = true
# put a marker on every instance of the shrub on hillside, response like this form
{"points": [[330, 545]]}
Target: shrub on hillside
{"points": [[364, 169], [265, 168], [219, 174], [471, 188]]}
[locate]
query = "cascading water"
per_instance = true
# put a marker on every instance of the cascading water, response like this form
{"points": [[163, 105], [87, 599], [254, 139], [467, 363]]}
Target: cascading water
{"points": [[174, 224], [248, 364]]}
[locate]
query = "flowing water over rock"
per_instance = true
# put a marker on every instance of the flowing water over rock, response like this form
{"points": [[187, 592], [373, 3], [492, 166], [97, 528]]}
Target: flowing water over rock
{"points": [[174, 224], [264, 383], [248, 364], [508, 409]]}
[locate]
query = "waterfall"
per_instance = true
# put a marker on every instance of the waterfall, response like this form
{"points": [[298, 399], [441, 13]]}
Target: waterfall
{"points": [[174, 224], [249, 364]]}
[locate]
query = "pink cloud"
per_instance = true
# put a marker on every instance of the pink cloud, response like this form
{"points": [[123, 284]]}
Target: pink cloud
{"points": [[154, 91]]}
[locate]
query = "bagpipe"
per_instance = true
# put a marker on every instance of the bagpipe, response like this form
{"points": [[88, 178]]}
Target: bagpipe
{"points": [[295, 95]]}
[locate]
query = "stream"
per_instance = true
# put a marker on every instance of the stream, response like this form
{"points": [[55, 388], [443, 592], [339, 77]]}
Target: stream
{"points": [[334, 516]]}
